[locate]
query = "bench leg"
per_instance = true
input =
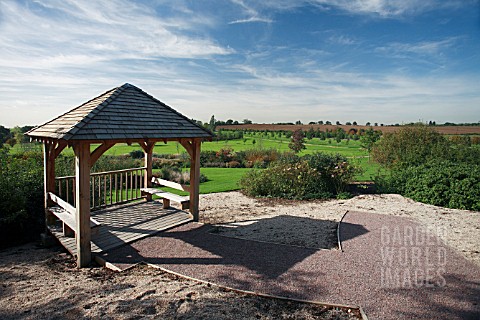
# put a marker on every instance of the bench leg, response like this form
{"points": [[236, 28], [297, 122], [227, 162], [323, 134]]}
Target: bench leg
{"points": [[67, 231], [166, 203], [185, 205], [148, 196]]}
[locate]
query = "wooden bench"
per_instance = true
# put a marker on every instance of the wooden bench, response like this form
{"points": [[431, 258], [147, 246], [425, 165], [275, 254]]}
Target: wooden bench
{"points": [[167, 196], [66, 213]]}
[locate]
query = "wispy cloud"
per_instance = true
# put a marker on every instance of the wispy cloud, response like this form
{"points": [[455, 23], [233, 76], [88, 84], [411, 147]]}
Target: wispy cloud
{"points": [[381, 8], [342, 40], [251, 19], [423, 52], [116, 29], [252, 14]]}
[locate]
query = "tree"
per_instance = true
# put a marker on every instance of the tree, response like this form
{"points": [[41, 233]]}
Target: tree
{"points": [[11, 142], [338, 123], [211, 124], [229, 122], [297, 143], [18, 134], [367, 124], [310, 134], [348, 123], [298, 122], [246, 121], [368, 139], [354, 123], [4, 134], [328, 122], [320, 122]]}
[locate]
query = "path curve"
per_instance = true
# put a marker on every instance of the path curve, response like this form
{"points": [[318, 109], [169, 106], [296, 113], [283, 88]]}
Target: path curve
{"points": [[391, 267]]}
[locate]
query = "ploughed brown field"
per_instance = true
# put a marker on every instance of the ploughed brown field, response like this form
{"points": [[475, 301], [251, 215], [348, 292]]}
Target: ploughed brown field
{"points": [[325, 127]]}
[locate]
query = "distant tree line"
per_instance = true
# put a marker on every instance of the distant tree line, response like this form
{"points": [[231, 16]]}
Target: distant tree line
{"points": [[213, 123], [14, 135]]}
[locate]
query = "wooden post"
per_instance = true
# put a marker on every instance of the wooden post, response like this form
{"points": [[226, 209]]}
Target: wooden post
{"points": [[48, 179], [82, 195], [148, 149], [195, 178]]}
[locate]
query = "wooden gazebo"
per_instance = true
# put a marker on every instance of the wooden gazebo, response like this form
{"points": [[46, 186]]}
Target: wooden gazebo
{"points": [[125, 114]]}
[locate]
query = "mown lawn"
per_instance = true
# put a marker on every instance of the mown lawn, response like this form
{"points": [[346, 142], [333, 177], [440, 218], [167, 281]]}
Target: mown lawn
{"points": [[220, 180]]}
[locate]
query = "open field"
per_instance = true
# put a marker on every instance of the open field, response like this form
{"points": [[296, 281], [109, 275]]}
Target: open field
{"points": [[325, 127]]}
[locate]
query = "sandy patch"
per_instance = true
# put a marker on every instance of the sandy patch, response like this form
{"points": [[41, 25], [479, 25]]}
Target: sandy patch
{"points": [[312, 223], [38, 283]]}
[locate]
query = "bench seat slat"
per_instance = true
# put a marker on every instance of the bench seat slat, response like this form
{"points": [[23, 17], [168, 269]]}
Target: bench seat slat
{"points": [[167, 195], [69, 219]]}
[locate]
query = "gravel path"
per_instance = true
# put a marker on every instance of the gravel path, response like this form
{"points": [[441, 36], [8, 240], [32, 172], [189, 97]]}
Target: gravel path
{"points": [[391, 266]]}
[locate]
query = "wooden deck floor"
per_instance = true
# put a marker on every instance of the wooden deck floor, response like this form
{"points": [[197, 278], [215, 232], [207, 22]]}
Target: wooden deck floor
{"points": [[126, 223]]}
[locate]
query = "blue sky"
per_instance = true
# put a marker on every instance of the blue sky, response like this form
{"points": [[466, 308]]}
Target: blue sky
{"points": [[385, 61]]}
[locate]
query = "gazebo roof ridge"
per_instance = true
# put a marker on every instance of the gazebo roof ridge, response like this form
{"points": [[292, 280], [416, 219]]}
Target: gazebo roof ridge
{"points": [[122, 113], [126, 85]]}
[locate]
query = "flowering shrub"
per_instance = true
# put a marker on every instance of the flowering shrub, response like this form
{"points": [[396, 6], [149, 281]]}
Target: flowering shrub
{"points": [[260, 158], [317, 176], [225, 155]]}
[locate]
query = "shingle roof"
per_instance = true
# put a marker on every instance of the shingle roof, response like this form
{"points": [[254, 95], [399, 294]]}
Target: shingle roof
{"points": [[122, 113]]}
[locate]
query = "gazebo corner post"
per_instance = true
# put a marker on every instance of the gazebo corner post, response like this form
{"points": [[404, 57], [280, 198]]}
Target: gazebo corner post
{"points": [[48, 180], [195, 179], [82, 197], [148, 149]]}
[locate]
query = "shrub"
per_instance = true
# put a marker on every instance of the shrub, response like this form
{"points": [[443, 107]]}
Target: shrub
{"points": [[225, 155], [158, 163], [21, 196], [234, 164], [137, 154], [411, 145], [208, 156], [260, 158], [176, 175], [438, 182], [427, 167], [338, 172], [316, 176]]}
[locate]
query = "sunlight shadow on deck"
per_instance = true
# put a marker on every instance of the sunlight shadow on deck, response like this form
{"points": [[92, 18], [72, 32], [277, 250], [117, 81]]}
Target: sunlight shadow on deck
{"points": [[123, 224]]}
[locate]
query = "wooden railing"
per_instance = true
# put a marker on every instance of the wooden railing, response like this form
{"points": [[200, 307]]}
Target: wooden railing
{"points": [[106, 188]]}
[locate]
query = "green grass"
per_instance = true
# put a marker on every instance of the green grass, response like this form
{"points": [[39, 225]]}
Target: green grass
{"points": [[220, 180], [370, 169]]}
